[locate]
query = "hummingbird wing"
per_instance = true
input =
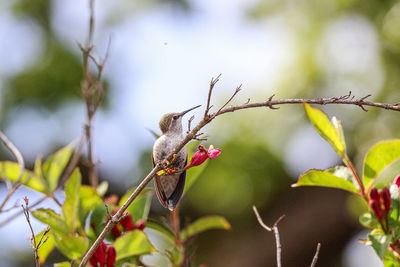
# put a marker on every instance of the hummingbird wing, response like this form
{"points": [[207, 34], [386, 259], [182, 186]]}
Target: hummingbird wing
{"points": [[157, 185], [171, 201], [177, 194]]}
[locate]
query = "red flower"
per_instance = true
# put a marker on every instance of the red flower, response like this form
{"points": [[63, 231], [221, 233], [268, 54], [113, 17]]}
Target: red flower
{"points": [[127, 223], [376, 208], [140, 224], [103, 255], [111, 256], [202, 154], [374, 194], [385, 195], [99, 256], [380, 204]]}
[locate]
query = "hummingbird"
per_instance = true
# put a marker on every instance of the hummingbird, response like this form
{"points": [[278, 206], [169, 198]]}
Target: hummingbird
{"points": [[169, 188]]}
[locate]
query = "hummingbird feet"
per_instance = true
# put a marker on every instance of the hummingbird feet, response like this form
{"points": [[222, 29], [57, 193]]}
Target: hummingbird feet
{"points": [[166, 163], [167, 171]]}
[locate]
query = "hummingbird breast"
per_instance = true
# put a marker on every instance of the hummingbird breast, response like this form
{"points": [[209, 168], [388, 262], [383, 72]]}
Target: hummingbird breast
{"points": [[165, 145], [167, 185]]}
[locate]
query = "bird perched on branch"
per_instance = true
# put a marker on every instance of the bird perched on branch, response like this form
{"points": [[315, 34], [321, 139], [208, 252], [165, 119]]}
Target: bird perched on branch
{"points": [[169, 188]]}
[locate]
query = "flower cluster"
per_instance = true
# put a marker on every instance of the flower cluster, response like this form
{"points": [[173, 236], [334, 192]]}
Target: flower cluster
{"points": [[202, 154], [380, 204], [127, 224], [103, 256]]}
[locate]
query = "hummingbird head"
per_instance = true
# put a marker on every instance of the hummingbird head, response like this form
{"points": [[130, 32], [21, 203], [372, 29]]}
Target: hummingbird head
{"points": [[172, 122]]}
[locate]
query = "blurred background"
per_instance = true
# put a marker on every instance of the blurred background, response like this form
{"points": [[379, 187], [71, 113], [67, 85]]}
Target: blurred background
{"points": [[162, 57]]}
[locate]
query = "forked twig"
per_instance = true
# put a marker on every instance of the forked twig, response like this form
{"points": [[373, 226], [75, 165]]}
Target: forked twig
{"points": [[35, 245], [212, 84], [273, 229]]}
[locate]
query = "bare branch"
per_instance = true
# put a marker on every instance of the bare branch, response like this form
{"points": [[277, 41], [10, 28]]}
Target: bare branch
{"points": [[260, 221], [319, 101], [230, 99], [276, 232], [270, 104], [35, 246], [315, 259], [189, 124], [212, 84], [21, 163]]}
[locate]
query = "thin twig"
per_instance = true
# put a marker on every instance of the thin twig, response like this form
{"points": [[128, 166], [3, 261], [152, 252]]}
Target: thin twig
{"points": [[21, 164], [15, 215], [35, 247], [231, 98], [276, 232], [260, 221], [315, 259], [189, 123], [320, 101], [92, 91], [212, 84]]}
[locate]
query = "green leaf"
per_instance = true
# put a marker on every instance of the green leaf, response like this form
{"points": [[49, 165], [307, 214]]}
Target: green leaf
{"points": [[70, 207], [97, 220], [88, 199], [326, 129], [390, 260], [368, 220], [204, 224], [162, 230], [380, 156], [133, 243], [55, 165], [73, 247], [380, 242], [140, 207], [62, 264], [326, 179], [10, 170], [394, 215], [52, 219], [46, 248]]}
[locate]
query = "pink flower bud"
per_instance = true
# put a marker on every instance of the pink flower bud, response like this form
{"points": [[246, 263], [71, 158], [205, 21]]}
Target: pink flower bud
{"points": [[140, 224], [374, 194], [396, 181], [385, 195], [213, 153], [111, 256], [127, 223], [376, 208]]}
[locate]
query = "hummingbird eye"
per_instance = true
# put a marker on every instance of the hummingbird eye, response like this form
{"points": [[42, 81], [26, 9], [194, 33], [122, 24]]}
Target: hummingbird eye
{"points": [[175, 117]]}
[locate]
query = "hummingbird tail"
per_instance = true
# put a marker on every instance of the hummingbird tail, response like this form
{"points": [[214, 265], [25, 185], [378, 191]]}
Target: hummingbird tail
{"points": [[170, 205]]}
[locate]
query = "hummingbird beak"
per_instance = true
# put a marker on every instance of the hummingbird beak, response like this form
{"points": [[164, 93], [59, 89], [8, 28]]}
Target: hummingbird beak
{"points": [[186, 111]]}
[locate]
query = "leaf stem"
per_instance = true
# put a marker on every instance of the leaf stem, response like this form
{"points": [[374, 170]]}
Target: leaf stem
{"points": [[350, 165]]}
